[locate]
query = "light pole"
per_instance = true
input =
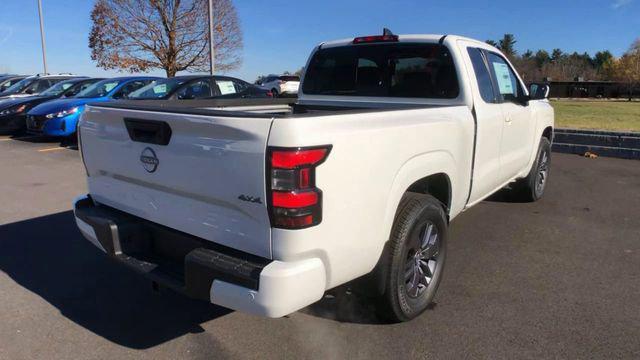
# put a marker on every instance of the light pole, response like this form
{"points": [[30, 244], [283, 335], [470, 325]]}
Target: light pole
{"points": [[212, 52], [44, 48]]}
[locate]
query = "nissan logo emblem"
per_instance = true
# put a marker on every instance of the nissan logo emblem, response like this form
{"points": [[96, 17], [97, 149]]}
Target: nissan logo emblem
{"points": [[149, 160]]}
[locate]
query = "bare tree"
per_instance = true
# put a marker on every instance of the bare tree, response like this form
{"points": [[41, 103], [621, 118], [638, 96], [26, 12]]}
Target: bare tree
{"points": [[140, 35]]}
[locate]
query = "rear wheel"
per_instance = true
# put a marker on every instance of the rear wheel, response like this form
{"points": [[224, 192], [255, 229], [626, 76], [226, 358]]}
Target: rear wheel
{"points": [[416, 258], [533, 186], [274, 92]]}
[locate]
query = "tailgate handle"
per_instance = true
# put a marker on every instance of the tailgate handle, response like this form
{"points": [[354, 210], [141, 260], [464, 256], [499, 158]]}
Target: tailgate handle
{"points": [[148, 131]]}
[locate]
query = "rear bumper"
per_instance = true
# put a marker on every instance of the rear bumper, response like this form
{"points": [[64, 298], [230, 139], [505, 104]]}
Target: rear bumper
{"points": [[201, 269]]}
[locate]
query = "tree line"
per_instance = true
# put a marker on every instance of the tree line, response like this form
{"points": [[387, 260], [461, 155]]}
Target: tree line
{"points": [[557, 65]]}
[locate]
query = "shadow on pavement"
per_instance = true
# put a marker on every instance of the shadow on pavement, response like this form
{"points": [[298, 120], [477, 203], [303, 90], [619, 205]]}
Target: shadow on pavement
{"points": [[344, 305], [50, 258], [67, 142], [505, 195]]}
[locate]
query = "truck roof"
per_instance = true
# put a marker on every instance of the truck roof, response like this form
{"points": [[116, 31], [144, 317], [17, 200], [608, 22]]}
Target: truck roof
{"points": [[427, 38]]}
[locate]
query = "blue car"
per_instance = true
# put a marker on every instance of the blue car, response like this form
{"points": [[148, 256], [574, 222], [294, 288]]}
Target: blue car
{"points": [[60, 117]]}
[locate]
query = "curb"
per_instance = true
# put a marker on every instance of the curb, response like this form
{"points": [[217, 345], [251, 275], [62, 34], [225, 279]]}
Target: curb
{"points": [[624, 145]]}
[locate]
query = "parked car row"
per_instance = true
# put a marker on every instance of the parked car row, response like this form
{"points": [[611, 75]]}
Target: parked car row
{"points": [[51, 105]]}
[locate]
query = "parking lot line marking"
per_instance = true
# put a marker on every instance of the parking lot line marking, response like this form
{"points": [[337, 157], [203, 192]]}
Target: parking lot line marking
{"points": [[53, 149], [19, 138]]}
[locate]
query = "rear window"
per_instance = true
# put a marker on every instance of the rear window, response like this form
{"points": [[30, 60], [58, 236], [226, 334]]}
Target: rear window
{"points": [[289, 78], [383, 70]]}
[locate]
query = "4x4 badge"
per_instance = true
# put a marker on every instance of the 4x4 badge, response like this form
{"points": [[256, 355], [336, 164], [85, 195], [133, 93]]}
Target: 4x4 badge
{"points": [[251, 199]]}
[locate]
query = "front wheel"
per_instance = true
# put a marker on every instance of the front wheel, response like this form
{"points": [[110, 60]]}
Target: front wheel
{"points": [[533, 186], [416, 257]]}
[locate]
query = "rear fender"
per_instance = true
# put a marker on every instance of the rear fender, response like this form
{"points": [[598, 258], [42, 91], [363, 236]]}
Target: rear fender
{"points": [[415, 169]]}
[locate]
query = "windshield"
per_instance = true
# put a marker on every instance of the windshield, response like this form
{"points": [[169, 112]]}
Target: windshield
{"points": [[20, 85], [99, 89], [383, 70], [158, 89], [6, 83], [58, 88]]}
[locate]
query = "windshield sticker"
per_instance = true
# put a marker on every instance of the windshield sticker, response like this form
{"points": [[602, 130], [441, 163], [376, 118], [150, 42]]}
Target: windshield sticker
{"points": [[160, 89], [108, 87], [504, 78], [226, 87]]}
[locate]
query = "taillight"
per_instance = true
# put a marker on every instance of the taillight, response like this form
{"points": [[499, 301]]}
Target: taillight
{"points": [[294, 200], [269, 94]]}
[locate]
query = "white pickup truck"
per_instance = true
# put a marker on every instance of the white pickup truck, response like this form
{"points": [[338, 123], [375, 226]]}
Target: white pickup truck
{"points": [[262, 208]]}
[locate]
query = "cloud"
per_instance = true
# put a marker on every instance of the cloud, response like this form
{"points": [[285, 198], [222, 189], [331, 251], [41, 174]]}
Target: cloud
{"points": [[617, 4], [5, 34]]}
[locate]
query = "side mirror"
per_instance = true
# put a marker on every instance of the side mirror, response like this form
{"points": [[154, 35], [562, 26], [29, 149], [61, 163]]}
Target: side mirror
{"points": [[539, 91]]}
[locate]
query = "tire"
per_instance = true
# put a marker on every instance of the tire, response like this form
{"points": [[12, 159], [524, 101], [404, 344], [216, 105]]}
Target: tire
{"points": [[532, 187], [275, 93], [421, 223]]}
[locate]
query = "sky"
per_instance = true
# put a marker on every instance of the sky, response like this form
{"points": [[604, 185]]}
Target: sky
{"points": [[279, 34]]}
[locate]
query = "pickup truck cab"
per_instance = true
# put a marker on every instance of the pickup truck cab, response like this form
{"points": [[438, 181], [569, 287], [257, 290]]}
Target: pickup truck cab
{"points": [[262, 208]]}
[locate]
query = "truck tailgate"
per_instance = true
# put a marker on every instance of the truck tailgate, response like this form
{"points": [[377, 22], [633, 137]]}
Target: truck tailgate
{"points": [[208, 180]]}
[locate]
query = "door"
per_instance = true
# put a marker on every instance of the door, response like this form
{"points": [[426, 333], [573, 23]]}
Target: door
{"points": [[489, 126], [517, 136]]}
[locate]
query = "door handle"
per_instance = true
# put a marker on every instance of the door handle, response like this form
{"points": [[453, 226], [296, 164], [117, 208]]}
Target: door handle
{"points": [[508, 119], [148, 131]]}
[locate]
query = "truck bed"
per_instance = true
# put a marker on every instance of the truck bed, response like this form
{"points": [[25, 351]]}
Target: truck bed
{"points": [[265, 108]]}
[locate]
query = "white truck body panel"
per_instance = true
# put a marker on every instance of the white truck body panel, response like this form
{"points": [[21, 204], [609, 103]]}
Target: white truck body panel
{"points": [[376, 156], [201, 173]]}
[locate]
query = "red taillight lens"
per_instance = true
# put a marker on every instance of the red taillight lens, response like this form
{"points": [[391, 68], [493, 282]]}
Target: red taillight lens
{"points": [[375, 39], [292, 200], [269, 94], [291, 159], [304, 178], [299, 222], [295, 201]]}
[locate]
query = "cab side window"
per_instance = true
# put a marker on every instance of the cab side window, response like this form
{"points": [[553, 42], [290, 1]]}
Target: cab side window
{"points": [[240, 86], [38, 86], [200, 89], [506, 80], [129, 88], [226, 87], [77, 89], [485, 85]]}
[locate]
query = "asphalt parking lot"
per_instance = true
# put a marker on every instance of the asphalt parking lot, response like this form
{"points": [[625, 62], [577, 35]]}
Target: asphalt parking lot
{"points": [[555, 279]]}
